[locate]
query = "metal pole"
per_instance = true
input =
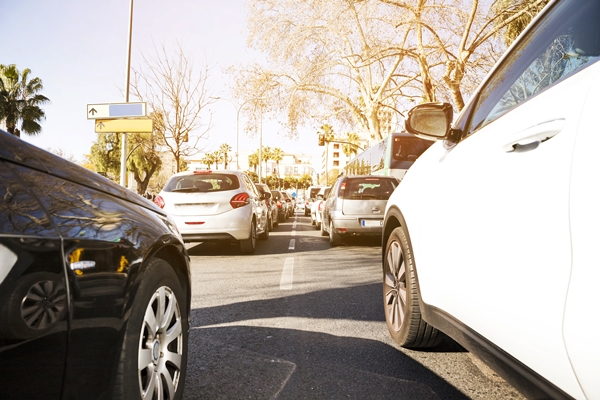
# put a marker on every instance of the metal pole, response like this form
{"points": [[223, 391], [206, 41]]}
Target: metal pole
{"points": [[260, 150], [124, 135], [237, 139]]}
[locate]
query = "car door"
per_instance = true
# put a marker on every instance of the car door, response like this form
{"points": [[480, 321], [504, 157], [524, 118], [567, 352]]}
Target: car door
{"points": [[257, 204], [497, 254], [34, 299]]}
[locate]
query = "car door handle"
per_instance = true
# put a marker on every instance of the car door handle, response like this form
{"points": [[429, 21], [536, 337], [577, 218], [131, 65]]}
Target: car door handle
{"points": [[530, 138]]}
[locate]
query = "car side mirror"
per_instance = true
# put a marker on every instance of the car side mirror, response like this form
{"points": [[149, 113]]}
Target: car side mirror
{"points": [[431, 121]]}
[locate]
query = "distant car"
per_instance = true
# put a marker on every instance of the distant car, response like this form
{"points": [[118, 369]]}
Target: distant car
{"points": [[317, 208], [492, 235], [273, 214], [282, 205], [355, 206], [94, 285], [220, 205], [311, 194], [290, 201]]}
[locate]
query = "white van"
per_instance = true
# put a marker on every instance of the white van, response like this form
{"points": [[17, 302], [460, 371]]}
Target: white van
{"points": [[309, 198]]}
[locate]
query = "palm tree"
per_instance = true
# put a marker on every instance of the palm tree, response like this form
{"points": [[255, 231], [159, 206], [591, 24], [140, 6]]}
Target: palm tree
{"points": [[225, 149], [277, 155], [266, 156], [20, 100], [216, 157], [207, 160], [354, 139], [253, 160]]}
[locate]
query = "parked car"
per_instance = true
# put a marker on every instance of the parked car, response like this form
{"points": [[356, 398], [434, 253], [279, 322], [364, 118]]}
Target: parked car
{"points": [[282, 205], [290, 202], [221, 205], [273, 210], [492, 235], [355, 206], [311, 194], [316, 209], [87, 268]]}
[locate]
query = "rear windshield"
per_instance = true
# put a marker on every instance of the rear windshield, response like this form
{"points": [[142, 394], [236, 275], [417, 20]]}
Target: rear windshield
{"points": [[213, 182], [368, 188]]}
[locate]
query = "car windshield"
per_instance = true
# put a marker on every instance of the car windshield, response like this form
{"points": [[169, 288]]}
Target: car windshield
{"points": [[368, 188], [203, 183]]}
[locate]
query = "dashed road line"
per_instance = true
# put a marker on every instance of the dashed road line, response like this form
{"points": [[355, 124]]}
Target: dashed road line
{"points": [[287, 275]]}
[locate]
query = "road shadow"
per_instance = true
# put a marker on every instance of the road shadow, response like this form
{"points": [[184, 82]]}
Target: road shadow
{"points": [[293, 361]]}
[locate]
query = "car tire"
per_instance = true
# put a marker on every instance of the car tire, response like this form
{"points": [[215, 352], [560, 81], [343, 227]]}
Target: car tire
{"points": [[248, 246], [321, 227], [281, 217], [312, 221], [265, 234], [334, 238], [401, 298], [154, 351]]}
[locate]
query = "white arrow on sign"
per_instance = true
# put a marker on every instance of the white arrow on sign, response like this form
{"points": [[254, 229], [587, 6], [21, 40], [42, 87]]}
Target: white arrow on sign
{"points": [[116, 110]]}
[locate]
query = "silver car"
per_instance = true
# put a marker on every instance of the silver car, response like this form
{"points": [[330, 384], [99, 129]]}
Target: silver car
{"points": [[355, 206], [216, 206]]}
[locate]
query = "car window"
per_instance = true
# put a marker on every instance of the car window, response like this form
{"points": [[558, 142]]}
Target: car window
{"points": [[367, 188], [202, 183], [567, 40]]}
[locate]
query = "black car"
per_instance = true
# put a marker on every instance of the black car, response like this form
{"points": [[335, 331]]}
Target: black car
{"points": [[94, 285]]}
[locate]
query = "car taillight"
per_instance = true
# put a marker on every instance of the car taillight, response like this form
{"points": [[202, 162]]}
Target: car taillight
{"points": [[239, 200], [279, 204], [321, 206], [159, 201]]}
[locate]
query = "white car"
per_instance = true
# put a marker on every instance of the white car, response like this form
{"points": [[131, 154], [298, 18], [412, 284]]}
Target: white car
{"points": [[491, 237], [316, 208], [220, 205]]}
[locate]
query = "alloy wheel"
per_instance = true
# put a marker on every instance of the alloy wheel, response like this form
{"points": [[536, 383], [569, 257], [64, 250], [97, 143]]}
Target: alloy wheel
{"points": [[394, 281], [161, 346]]}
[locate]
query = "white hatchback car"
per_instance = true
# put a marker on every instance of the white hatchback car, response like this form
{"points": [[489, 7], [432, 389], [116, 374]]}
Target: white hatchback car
{"points": [[221, 205], [492, 236]]}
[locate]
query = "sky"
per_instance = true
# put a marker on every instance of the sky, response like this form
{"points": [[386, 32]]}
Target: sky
{"points": [[79, 50]]}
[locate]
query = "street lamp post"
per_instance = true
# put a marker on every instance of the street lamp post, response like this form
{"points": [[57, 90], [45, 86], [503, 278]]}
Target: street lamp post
{"points": [[123, 178], [237, 125]]}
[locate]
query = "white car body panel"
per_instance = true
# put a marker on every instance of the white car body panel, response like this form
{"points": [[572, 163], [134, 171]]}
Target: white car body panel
{"points": [[580, 327], [536, 263]]}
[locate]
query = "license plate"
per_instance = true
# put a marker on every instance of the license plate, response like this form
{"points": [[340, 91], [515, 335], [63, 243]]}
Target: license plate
{"points": [[371, 222]]}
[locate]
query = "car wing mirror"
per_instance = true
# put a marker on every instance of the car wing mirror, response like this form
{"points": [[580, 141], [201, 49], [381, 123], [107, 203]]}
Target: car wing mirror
{"points": [[431, 121]]}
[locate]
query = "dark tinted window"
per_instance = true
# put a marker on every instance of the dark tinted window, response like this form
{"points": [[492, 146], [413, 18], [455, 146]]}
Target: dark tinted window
{"points": [[409, 149], [367, 188], [213, 182]]}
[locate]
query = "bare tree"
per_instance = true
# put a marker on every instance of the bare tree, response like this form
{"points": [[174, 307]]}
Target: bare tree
{"points": [[172, 88], [363, 62]]}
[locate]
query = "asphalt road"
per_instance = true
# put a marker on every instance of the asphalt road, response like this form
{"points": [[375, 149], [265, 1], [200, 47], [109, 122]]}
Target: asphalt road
{"points": [[301, 320]]}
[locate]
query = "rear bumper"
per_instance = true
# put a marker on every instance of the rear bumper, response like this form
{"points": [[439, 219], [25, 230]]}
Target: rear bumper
{"points": [[354, 226]]}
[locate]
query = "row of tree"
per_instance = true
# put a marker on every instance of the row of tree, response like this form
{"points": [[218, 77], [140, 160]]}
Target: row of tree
{"points": [[359, 64]]}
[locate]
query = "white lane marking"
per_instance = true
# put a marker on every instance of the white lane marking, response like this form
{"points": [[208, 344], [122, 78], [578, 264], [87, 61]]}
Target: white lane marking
{"points": [[292, 244], [287, 275]]}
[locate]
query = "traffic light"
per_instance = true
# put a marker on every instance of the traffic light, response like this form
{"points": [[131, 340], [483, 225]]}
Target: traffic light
{"points": [[321, 139]]}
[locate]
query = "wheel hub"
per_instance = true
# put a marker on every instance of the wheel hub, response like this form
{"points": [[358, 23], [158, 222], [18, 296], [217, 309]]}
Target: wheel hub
{"points": [[156, 351]]}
